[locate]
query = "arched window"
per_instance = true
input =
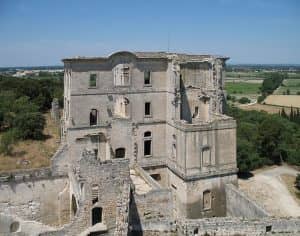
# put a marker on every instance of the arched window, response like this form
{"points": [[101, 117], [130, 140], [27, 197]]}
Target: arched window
{"points": [[93, 117], [96, 215], [147, 143], [120, 152]]}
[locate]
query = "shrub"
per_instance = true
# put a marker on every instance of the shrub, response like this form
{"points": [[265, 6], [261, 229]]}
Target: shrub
{"points": [[260, 99], [6, 142], [244, 100]]}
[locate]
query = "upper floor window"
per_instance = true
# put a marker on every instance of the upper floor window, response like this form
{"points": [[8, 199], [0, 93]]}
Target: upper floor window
{"points": [[122, 107], [147, 109], [93, 117], [147, 78], [121, 75], [93, 81], [147, 143]]}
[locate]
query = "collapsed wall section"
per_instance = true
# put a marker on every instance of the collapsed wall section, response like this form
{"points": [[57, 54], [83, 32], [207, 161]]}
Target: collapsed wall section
{"points": [[239, 205], [35, 195], [238, 226]]}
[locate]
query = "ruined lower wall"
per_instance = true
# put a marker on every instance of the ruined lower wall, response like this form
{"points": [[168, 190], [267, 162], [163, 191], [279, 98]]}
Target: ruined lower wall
{"points": [[13, 225], [35, 195], [148, 211], [239, 205], [239, 227]]}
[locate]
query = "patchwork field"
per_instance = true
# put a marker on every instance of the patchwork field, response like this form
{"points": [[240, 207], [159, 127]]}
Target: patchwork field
{"points": [[283, 100], [293, 85], [242, 87]]}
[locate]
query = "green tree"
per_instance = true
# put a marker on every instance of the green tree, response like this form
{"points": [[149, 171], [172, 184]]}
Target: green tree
{"points": [[6, 142], [270, 133], [30, 125]]}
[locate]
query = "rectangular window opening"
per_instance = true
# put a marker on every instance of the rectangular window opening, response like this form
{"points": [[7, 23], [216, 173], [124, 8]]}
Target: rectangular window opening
{"points": [[93, 81], [147, 147], [147, 80], [147, 109]]}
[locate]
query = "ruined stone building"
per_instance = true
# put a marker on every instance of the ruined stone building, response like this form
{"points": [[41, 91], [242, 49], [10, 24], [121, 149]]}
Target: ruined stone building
{"points": [[146, 150]]}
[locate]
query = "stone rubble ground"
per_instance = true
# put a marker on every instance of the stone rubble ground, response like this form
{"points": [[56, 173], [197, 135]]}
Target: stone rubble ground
{"points": [[141, 187], [268, 189]]}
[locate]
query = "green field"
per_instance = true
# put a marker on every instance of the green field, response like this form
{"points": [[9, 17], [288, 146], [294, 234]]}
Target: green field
{"points": [[250, 74], [293, 85], [242, 88]]}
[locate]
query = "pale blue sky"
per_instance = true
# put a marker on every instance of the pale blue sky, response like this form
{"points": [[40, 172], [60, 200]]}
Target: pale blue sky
{"points": [[42, 32]]}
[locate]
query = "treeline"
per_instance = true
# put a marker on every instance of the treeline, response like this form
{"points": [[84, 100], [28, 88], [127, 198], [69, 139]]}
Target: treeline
{"points": [[272, 82], [294, 115], [22, 102], [265, 139]]}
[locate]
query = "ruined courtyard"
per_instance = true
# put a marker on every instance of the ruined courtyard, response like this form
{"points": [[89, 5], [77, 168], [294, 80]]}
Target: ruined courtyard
{"points": [[146, 149]]}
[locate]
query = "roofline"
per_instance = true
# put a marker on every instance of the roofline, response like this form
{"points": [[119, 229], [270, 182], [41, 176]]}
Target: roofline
{"points": [[139, 55]]}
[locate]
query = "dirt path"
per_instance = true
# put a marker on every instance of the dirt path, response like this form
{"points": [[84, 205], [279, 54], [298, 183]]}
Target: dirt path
{"points": [[268, 189]]}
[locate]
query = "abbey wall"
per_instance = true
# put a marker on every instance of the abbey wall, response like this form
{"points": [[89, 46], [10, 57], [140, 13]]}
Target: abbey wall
{"points": [[146, 149]]}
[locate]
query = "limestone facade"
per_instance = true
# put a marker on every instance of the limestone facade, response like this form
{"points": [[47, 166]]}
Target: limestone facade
{"points": [[157, 110]]}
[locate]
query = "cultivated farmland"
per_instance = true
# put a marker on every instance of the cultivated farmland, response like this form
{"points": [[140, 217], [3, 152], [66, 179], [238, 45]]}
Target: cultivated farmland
{"points": [[283, 100]]}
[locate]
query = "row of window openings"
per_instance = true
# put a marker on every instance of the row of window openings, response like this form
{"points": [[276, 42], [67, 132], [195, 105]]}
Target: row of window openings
{"points": [[120, 152], [94, 113], [123, 80]]}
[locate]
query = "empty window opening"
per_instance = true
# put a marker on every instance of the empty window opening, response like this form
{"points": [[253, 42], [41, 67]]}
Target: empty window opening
{"points": [[96, 153], [74, 205], [121, 75], [147, 148], [147, 143], [207, 200], [95, 200], [96, 215], [268, 228], [147, 80], [14, 227], [93, 81], [156, 177], [120, 152], [95, 193], [196, 112], [93, 117], [196, 232], [122, 107], [147, 109]]}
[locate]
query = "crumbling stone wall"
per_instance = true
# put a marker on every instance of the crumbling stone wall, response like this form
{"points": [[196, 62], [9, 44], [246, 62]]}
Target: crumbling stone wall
{"points": [[34, 195], [150, 208], [239, 205], [239, 227], [112, 178]]}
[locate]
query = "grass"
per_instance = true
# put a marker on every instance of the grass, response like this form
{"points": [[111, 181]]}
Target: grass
{"points": [[242, 88], [289, 84], [36, 153]]}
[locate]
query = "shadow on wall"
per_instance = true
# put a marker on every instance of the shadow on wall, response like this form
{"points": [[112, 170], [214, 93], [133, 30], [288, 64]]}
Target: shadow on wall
{"points": [[185, 111], [135, 226]]}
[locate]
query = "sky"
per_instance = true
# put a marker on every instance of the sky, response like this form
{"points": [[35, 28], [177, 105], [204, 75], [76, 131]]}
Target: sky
{"points": [[42, 32]]}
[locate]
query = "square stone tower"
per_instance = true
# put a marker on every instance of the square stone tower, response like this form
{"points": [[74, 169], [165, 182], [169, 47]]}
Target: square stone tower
{"points": [[163, 112]]}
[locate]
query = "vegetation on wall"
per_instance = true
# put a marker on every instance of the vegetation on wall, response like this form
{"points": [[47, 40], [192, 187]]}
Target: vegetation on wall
{"points": [[264, 139]]}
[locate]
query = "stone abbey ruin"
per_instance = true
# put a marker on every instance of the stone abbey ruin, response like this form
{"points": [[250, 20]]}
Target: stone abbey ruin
{"points": [[145, 150]]}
